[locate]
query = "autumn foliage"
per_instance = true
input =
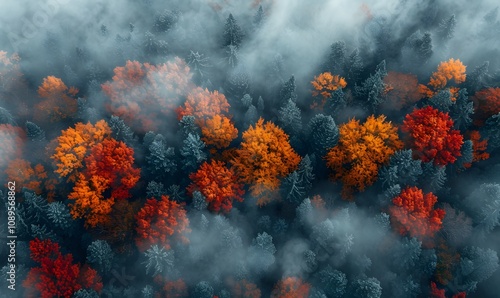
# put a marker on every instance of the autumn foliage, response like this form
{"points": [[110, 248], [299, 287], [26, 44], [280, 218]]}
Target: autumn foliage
{"points": [[56, 275], [265, 156], [413, 214], [203, 104], [362, 149], [486, 104], [479, 147], [291, 287], [432, 136], [142, 93], [218, 131], [245, 289], [73, 145], [175, 289], [33, 178], [58, 101], [325, 83], [159, 221], [402, 90], [446, 71], [218, 184], [109, 167]]}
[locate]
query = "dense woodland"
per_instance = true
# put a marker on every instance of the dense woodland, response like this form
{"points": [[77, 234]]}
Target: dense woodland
{"points": [[253, 149]]}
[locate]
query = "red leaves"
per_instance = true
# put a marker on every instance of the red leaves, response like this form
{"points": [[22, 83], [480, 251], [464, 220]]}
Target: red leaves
{"points": [[432, 136], [57, 276], [291, 287], [218, 184], [413, 213], [486, 104], [160, 221]]}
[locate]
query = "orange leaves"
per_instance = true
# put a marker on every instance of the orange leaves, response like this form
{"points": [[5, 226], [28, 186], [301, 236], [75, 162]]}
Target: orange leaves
{"points": [[141, 93], [402, 90], [109, 166], [218, 184], [34, 178], [160, 221], [446, 71], [326, 83], [361, 150], [486, 104], [413, 213], [218, 131], [264, 157], [59, 101], [245, 289], [291, 287], [74, 144], [432, 136], [203, 104]]}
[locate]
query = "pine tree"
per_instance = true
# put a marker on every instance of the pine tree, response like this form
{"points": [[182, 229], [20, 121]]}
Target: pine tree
{"points": [[366, 288], [203, 290], [155, 190], [232, 32], [323, 134], [462, 110], [261, 254], [199, 64], [159, 260], [336, 58], [288, 91], [60, 217], [6, 117], [433, 177], [477, 79], [442, 100], [259, 17], [160, 158], [447, 28], [188, 125], [354, 67], [484, 203], [333, 282], [372, 89], [476, 265], [289, 118], [492, 132], [34, 132], [296, 185], [402, 170], [251, 116], [166, 20], [406, 254], [193, 152], [121, 132], [100, 256]]}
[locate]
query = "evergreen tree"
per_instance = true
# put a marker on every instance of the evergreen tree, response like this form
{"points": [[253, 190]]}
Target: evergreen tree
{"points": [[288, 91], [259, 17], [336, 102], [261, 253], [154, 46], [365, 287], [122, 132], [484, 203], [232, 32], [188, 125], [155, 190], [442, 101], [354, 67], [372, 89], [6, 117], [332, 281], [337, 58], [193, 152], [447, 28], [462, 110], [491, 130], [203, 290], [296, 185], [251, 116], [159, 260], [59, 215], [433, 177], [260, 105], [100, 256], [199, 65], [199, 201], [323, 134], [406, 254], [86, 293], [160, 158], [402, 170], [289, 118], [246, 100], [476, 265], [477, 79], [34, 132], [165, 20]]}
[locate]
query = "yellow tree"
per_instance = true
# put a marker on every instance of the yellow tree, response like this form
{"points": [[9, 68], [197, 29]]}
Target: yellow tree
{"points": [[264, 157], [361, 150]]}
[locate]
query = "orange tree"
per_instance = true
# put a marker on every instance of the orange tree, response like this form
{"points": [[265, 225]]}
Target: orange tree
{"points": [[33, 178], [160, 222], [218, 131], [59, 101], [486, 104], [109, 167], [142, 94], [324, 84], [291, 287], [218, 184], [265, 155], [413, 214], [446, 71], [73, 145], [362, 149], [402, 90], [432, 136], [203, 104]]}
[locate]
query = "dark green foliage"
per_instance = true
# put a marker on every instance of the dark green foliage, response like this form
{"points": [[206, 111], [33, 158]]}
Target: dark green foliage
{"points": [[484, 204], [6, 117], [86, 293], [491, 130], [433, 177], [260, 104], [280, 227], [354, 67], [193, 152], [467, 154], [462, 110], [336, 102], [289, 118], [406, 254], [372, 89], [148, 292], [305, 212], [476, 265], [154, 46], [251, 116], [176, 193], [310, 262], [59, 216], [323, 134], [477, 79], [199, 201], [288, 91], [122, 132], [34, 132], [85, 112], [264, 223], [296, 185], [159, 260], [199, 65], [261, 254], [32, 210], [203, 290], [188, 125], [442, 101], [366, 288], [155, 190], [447, 28], [160, 158], [337, 58], [41, 232], [418, 48], [457, 226], [246, 100], [166, 20], [100, 256], [402, 169], [333, 282], [232, 32], [238, 84]]}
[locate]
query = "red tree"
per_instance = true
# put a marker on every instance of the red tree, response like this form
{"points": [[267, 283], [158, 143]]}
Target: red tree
{"points": [[486, 104], [57, 276], [291, 287], [432, 136], [142, 94], [413, 213], [158, 222], [218, 184]]}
